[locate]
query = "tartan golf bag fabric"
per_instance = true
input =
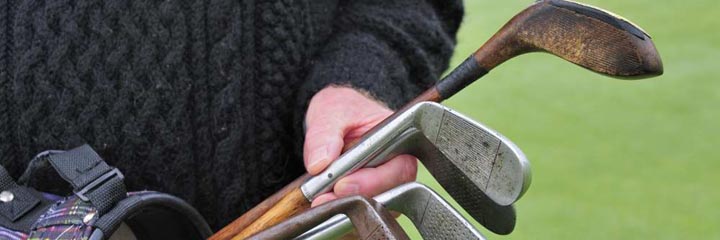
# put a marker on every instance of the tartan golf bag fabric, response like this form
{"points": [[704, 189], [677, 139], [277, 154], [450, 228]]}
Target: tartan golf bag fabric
{"points": [[98, 206]]}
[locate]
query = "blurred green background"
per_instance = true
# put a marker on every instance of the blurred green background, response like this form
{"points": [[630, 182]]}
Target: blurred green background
{"points": [[610, 159]]}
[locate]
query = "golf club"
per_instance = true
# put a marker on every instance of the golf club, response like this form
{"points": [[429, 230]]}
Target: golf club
{"points": [[483, 171], [587, 36], [433, 217], [369, 217]]}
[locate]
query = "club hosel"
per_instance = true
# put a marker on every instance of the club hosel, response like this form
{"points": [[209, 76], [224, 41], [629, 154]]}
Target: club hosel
{"points": [[371, 148], [358, 156]]}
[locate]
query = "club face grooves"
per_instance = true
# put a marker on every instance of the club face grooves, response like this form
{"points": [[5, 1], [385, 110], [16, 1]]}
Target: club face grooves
{"points": [[451, 145], [431, 214], [493, 163], [470, 161], [493, 216]]}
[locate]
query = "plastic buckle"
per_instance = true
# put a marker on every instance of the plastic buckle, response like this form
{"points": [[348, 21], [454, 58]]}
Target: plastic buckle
{"points": [[97, 182]]}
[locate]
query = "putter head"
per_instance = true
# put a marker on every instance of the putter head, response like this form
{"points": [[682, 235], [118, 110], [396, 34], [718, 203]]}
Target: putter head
{"points": [[433, 217], [588, 36], [369, 217]]}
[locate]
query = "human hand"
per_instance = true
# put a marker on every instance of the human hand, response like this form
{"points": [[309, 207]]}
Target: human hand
{"points": [[337, 116]]}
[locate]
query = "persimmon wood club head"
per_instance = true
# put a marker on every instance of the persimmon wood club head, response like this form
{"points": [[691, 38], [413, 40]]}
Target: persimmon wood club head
{"points": [[593, 38]]}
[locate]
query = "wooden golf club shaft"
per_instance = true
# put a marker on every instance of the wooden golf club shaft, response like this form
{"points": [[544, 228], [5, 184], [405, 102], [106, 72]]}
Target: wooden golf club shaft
{"points": [[589, 37], [253, 214]]}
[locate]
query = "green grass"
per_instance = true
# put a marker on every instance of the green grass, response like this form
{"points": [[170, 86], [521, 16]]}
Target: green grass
{"points": [[610, 159]]}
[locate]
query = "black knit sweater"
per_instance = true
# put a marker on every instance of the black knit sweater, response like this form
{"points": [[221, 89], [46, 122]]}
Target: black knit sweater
{"points": [[203, 99]]}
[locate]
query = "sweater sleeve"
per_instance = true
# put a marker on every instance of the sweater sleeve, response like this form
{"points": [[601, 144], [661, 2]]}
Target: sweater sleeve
{"points": [[393, 49]]}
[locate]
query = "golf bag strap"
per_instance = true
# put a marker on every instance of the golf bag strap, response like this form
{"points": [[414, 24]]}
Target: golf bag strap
{"points": [[15, 202], [6, 181], [92, 179], [169, 216]]}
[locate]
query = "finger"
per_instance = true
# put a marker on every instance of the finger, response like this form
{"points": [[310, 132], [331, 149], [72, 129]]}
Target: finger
{"points": [[369, 182], [335, 116], [323, 143], [323, 198], [405, 164], [360, 128]]}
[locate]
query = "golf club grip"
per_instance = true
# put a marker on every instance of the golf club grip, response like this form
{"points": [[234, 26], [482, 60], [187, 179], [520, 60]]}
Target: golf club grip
{"points": [[253, 214], [291, 204]]}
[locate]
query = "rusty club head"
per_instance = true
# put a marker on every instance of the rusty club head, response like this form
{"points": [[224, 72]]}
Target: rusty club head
{"points": [[590, 37]]}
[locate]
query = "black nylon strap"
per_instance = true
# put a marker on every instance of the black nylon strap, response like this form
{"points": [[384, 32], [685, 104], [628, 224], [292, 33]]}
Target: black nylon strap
{"points": [[169, 216], [6, 181], [79, 166], [20, 201], [92, 179]]}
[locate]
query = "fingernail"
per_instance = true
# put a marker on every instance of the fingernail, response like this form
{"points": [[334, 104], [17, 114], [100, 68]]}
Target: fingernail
{"points": [[318, 156], [348, 189]]}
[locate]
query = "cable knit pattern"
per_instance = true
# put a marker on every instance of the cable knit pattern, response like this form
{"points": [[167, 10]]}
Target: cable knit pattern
{"points": [[203, 99], [6, 104]]}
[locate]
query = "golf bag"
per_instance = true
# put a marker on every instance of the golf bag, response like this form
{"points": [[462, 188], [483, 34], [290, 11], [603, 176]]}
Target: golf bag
{"points": [[99, 205]]}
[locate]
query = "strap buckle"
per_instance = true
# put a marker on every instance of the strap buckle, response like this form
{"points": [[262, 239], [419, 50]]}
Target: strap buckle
{"points": [[98, 182]]}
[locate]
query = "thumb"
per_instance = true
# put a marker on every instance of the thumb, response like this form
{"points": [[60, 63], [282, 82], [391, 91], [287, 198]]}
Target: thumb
{"points": [[323, 142], [327, 123], [336, 114]]}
